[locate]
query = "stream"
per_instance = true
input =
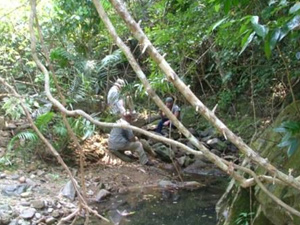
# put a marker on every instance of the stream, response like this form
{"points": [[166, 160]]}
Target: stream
{"points": [[175, 207]]}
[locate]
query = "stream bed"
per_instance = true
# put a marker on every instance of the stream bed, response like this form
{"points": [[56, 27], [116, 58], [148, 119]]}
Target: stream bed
{"points": [[168, 207]]}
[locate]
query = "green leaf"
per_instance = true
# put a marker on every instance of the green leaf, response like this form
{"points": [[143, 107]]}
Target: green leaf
{"points": [[261, 30], [227, 5], [284, 144], [246, 41], [44, 119], [294, 8], [215, 25], [292, 24], [294, 144], [274, 38], [267, 48]]}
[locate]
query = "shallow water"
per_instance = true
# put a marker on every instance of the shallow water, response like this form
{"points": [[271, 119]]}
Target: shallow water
{"points": [[167, 207]]}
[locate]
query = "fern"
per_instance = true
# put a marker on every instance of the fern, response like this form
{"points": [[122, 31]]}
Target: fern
{"points": [[28, 135], [44, 119]]}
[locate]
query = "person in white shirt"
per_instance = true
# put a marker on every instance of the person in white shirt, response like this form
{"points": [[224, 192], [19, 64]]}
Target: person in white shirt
{"points": [[115, 102]]}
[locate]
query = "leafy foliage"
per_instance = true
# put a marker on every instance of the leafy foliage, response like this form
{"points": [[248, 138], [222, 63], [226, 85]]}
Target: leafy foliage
{"points": [[244, 218], [291, 136]]}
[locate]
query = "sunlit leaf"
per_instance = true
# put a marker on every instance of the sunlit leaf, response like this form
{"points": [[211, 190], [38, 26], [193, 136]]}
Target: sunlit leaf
{"points": [[261, 30], [215, 25], [294, 8], [246, 41], [292, 24]]}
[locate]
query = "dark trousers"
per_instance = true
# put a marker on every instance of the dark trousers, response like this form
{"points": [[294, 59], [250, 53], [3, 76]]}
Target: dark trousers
{"points": [[161, 125]]}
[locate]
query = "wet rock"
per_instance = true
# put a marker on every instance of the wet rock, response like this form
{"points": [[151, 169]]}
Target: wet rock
{"points": [[101, 195], [38, 204], [163, 152], [217, 144], [14, 190], [2, 175], [68, 191], [27, 213], [196, 167]]}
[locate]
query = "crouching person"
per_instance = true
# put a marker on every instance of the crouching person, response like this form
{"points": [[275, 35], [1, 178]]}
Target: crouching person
{"points": [[123, 139]]}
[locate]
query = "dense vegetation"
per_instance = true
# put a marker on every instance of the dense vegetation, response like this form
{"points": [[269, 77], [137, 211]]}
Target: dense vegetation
{"points": [[242, 55]]}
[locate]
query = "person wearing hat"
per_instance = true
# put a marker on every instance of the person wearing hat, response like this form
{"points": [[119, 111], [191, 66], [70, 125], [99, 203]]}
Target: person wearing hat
{"points": [[123, 139], [164, 120], [115, 103]]}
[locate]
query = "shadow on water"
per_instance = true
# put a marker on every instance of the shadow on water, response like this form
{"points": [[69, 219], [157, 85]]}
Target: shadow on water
{"points": [[171, 207]]}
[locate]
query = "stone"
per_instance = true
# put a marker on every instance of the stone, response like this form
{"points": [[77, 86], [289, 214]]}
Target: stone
{"points": [[216, 152], [196, 167], [38, 215], [55, 213], [208, 132], [38, 204], [181, 160], [50, 210], [2, 175], [50, 220], [28, 213], [68, 191], [101, 195], [90, 193], [14, 177], [163, 152], [5, 217], [166, 183], [13, 222], [216, 143], [30, 182], [22, 179], [14, 190], [26, 194]]}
